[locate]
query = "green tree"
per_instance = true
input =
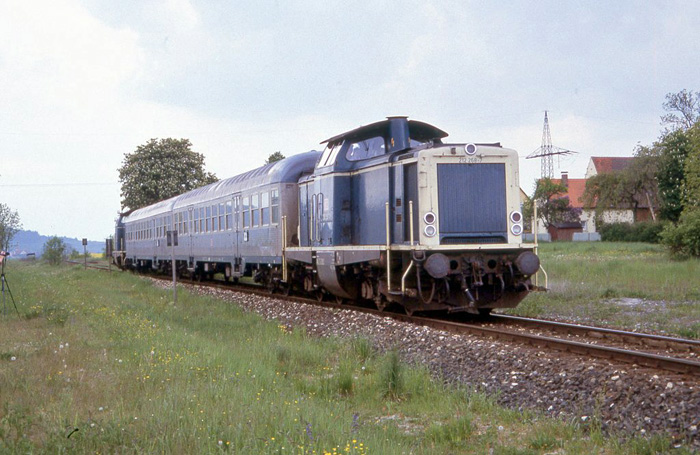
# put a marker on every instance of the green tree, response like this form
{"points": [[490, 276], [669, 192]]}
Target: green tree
{"points": [[277, 156], [161, 169], [683, 110], [552, 206], [9, 226], [54, 251], [675, 148], [683, 238], [631, 188], [691, 171]]}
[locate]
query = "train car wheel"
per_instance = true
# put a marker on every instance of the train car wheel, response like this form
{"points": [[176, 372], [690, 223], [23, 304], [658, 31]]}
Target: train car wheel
{"points": [[381, 303]]}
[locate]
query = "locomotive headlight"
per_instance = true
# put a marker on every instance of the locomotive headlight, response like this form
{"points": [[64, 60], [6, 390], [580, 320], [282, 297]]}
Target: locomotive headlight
{"points": [[516, 217], [429, 218], [516, 229], [470, 149], [430, 230]]}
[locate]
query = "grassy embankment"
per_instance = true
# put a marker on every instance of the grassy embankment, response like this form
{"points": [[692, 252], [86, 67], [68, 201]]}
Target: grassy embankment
{"points": [[627, 285], [105, 363]]}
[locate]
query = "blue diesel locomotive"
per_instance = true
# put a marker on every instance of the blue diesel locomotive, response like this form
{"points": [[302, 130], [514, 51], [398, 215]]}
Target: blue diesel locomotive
{"points": [[388, 213]]}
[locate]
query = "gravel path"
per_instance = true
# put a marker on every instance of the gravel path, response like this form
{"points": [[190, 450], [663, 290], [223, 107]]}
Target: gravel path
{"points": [[629, 399]]}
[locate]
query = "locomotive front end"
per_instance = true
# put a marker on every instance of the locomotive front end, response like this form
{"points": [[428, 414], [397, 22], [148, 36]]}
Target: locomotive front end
{"points": [[468, 251]]}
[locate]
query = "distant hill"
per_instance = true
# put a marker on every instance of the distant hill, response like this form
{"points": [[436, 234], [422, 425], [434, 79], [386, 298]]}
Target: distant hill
{"points": [[26, 242]]}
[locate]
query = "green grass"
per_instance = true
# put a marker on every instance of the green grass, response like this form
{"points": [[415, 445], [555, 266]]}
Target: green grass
{"points": [[106, 363], [628, 285]]}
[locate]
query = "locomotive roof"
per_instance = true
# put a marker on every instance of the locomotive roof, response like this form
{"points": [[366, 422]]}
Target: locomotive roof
{"points": [[419, 131]]}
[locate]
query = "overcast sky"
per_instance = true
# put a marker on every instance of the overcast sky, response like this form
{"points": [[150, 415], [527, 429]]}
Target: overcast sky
{"points": [[82, 82]]}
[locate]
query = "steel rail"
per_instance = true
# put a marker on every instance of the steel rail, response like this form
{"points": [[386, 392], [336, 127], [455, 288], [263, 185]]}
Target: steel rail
{"points": [[624, 355], [647, 339], [90, 265]]}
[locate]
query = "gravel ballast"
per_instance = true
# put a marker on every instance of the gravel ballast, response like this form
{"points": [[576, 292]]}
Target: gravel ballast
{"points": [[629, 400]]}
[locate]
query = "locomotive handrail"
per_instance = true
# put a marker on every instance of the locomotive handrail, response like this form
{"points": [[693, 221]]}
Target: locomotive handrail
{"points": [[410, 221], [546, 278], [403, 278], [388, 250]]}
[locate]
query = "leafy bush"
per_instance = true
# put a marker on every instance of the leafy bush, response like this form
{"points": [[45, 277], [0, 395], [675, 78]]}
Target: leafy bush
{"points": [[54, 250], [683, 238], [648, 232]]}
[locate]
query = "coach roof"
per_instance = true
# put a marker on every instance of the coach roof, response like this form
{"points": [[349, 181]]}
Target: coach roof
{"points": [[158, 209], [287, 170]]}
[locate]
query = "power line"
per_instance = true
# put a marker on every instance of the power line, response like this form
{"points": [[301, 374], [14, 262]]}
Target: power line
{"points": [[57, 184]]}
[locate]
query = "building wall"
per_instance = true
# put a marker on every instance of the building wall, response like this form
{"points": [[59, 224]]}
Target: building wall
{"points": [[609, 216], [590, 170]]}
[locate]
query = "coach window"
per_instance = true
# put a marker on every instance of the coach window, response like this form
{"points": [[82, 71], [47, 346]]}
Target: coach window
{"points": [[207, 219], [255, 209], [221, 217], [369, 148], [265, 208], [236, 211], [246, 212], [186, 218], [275, 203], [229, 215], [214, 218]]}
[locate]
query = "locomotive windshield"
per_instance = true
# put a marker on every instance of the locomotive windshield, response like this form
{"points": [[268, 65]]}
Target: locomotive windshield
{"points": [[329, 155]]}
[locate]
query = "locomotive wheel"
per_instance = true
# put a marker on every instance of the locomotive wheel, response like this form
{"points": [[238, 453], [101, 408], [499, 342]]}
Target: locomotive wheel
{"points": [[381, 302]]}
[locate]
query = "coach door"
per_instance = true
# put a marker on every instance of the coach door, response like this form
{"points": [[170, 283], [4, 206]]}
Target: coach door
{"points": [[237, 236], [188, 238]]}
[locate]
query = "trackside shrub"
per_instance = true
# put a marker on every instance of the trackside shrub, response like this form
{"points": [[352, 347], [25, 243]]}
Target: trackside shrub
{"points": [[647, 232], [683, 238], [54, 251]]}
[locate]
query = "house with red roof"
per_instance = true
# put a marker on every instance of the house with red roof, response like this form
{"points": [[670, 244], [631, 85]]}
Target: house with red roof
{"points": [[575, 189]]}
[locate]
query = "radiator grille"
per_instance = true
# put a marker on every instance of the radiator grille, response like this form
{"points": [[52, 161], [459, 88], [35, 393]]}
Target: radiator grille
{"points": [[472, 202]]}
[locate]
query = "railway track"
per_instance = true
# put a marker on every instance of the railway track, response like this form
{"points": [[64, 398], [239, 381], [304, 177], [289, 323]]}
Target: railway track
{"points": [[91, 265], [667, 353], [591, 336]]}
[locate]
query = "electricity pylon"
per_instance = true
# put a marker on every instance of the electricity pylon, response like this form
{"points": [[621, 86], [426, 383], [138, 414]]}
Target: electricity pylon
{"points": [[547, 151]]}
